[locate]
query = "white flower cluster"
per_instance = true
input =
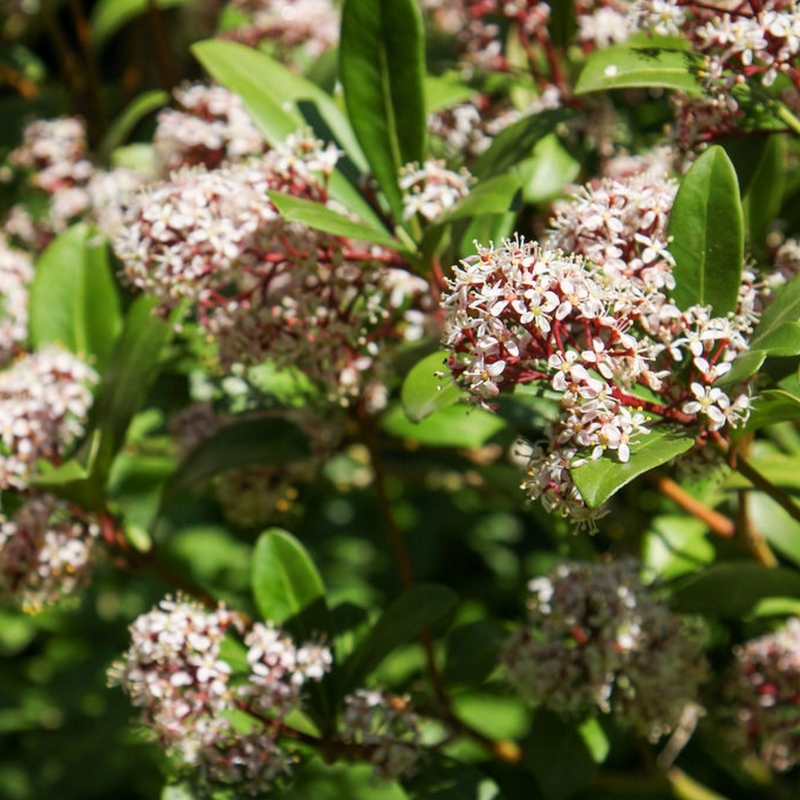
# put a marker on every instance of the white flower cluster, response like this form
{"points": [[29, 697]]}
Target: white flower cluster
{"points": [[174, 671], [45, 399], [16, 273], [432, 189], [385, 728], [310, 26], [266, 288], [597, 328], [597, 639], [46, 551], [764, 691], [209, 127], [602, 22]]}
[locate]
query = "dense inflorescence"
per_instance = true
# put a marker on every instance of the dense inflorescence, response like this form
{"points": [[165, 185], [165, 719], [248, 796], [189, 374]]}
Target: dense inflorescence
{"points": [[595, 327], [597, 639], [431, 190], [16, 273], [763, 690], [47, 549], [45, 399]]}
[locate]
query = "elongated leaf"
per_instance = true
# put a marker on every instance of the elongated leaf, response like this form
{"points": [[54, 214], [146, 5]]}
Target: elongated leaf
{"points": [[382, 66], [246, 443], [516, 142], [73, 299], [747, 364], [621, 67], [428, 387], [442, 92], [241, 69], [316, 215], [458, 425], [764, 199], [707, 226], [598, 480], [132, 368], [286, 582], [108, 16], [732, 590], [130, 117], [778, 331], [402, 621], [493, 196], [286, 86]]}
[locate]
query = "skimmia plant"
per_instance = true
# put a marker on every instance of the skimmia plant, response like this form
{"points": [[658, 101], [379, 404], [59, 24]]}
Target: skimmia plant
{"points": [[400, 399]]}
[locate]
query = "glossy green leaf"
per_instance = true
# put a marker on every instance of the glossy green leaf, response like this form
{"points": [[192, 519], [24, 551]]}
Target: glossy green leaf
{"points": [[458, 425], [746, 365], [707, 227], [549, 169], [515, 143], [241, 69], [747, 155], [131, 116], [108, 16], [410, 614], [492, 196], [73, 298], [778, 331], [731, 590], [558, 755], [780, 530], [132, 368], [769, 407], [247, 443], [624, 67], [676, 545], [287, 87], [765, 196], [598, 480], [442, 92], [286, 583], [382, 67], [316, 215], [429, 387]]}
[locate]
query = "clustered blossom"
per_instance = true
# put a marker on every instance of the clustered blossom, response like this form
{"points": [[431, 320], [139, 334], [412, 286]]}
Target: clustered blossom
{"points": [[310, 26], [45, 399], [46, 551], [432, 189], [597, 639], [385, 728], [174, 671], [264, 287], [763, 688], [209, 126], [16, 273], [597, 328]]}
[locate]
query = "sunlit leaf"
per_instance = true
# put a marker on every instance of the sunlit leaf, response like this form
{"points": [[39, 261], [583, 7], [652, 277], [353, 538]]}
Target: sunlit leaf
{"points": [[778, 331], [428, 387]]}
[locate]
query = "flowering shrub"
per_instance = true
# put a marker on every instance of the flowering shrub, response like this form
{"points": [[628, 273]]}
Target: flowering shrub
{"points": [[468, 296]]}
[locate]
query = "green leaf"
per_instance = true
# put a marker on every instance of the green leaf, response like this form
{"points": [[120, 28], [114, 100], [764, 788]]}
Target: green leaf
{"points": [[320, 217], [131, 116], [457, 425], [778, 331], [382, 66], [73, 298], [769, 407], [286, 87], [428, 387], [515, 143], [558, 755], [732, 590], [442, 92], [549, 169], [623, 67], [412, 612], [246, 443], [441, 778], [492, 196], [132, 368], [675, 545], [472, 652], [108, 16], [598, 480], [745, 365], [707, 226], [286, 584], [765, 196], [241, 69]]}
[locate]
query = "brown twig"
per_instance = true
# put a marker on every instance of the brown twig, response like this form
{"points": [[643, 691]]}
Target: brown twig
{"points": [[164, 58], [718, 523], [16, 80]]}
